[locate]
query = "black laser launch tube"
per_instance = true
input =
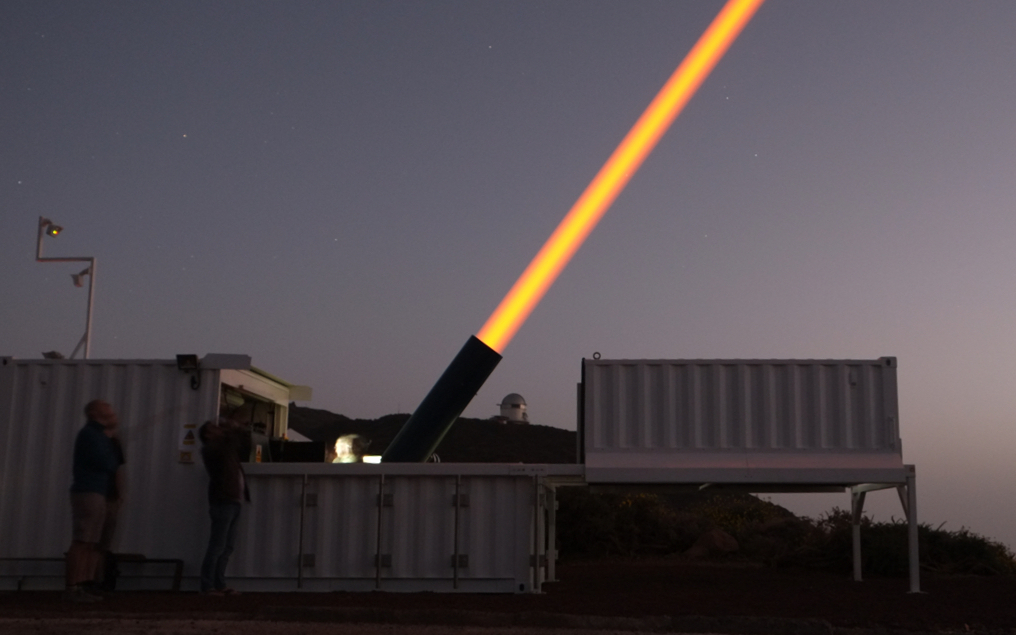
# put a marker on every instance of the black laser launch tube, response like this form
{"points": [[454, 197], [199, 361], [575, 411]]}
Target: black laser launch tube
{"points": [[436, 414]]}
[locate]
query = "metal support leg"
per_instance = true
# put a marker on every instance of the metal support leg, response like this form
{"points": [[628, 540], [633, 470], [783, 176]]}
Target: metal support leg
{"points": [[901, 490], [537, 535], [915, 563], [856, 513], [380, 509], [455, 540], [552, 534], [303, 510]]}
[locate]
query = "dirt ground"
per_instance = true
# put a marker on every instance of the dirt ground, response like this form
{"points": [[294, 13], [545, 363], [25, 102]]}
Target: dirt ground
{"points": [[651, 595], [120, 626]]}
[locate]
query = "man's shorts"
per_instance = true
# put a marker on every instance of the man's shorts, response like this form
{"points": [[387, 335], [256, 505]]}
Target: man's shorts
{"points": [[88, 512]]}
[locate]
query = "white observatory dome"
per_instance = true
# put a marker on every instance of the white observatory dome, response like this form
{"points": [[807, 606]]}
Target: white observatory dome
{"points": [[513, 409]]}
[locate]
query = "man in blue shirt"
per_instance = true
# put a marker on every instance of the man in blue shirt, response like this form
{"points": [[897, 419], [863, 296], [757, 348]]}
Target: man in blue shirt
{"points": [[95, 464]]}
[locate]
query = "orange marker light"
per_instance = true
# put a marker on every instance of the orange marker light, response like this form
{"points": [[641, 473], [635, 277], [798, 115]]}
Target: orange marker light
{"points": [[615, 174]]}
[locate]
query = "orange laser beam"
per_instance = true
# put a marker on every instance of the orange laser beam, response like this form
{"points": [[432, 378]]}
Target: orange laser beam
{"points": [[608, 183]]}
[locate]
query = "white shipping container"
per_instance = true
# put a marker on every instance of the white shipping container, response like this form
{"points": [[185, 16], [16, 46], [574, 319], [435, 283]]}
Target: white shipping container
{"points": [[311, 526], [159, 408], [743, 421], [751, 425], [417, 539]]}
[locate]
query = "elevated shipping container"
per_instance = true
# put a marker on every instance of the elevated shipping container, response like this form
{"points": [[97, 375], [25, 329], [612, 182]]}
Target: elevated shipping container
{"points": [[784, 425], [740, 421]]}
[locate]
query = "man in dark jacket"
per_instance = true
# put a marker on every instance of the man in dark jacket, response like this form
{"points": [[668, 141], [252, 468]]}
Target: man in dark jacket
{"points": [[227, 490], [95, 465]]}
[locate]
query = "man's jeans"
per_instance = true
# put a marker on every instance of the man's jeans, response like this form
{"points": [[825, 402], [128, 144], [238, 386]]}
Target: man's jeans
{"points": [[225, 522]]}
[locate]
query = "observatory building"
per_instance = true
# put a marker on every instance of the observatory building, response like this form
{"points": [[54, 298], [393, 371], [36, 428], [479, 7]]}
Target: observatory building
{"points": [[513, 409]]}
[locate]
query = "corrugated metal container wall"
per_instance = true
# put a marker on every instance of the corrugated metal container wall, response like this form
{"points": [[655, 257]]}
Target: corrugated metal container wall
{"points": [[342, 528], [691, 405], [497, 527], [418, 527], [166, 514], [163, 516], [739, 421], [269, 534]]}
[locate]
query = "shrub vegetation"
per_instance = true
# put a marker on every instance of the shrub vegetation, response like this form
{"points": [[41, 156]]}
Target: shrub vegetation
{"points": [[599, 524]]}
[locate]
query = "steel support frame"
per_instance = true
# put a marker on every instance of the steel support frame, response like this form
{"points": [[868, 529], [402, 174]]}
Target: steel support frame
{"points": [[539, 534], [908, 499], [86, 339], [551, 533]]}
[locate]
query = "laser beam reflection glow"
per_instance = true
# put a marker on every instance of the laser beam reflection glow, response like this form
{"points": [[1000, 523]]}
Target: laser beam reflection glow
{"points": [[608, 183]]}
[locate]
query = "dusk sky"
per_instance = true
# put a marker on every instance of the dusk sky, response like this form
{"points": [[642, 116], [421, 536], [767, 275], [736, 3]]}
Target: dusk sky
{"points": [[345, 190]]}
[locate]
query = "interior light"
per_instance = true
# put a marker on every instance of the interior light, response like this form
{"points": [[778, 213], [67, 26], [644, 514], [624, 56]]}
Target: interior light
{"points": [[349, 448]]}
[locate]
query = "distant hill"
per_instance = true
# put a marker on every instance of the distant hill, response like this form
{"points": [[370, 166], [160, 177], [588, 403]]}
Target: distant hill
{"points": [[469, 441]]}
